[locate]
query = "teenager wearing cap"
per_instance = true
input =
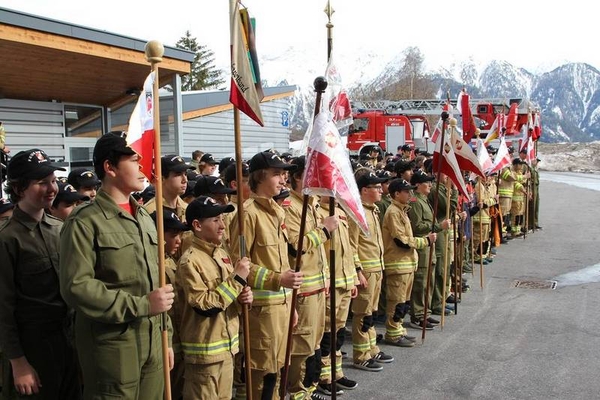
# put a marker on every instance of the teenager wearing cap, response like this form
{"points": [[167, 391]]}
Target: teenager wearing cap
{"points": [[239, 187], [173, 231], [368, 261], [517, 207], [533, 209], [207, 164], [506, 188], [345, 289], [400, 257], [223, 164], [85, 181], [212, 288], [270, 275], [109, 275], [305, 363], [421, 217], [485, 199], [214, 187], [65, 201], [33, 315], [174, 183], [6, 209], [405, 152]]}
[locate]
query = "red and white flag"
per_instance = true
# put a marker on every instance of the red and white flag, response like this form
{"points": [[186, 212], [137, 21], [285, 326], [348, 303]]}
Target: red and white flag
{"points": [[438, 127], [246, 90], [328, 171], [464, 108], [502, 157], [511, 120], [483, 156], [537, 126], [467, 160], [449, 165], [336, 96], [140, 133], [530, 150]]}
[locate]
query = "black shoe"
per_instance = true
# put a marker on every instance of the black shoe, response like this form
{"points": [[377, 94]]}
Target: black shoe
{"points": [[381, 357], [325, 388], [316, 396], [538, 227], [346, 383], [344, 355], [503, 241], [509, 238], [418, 324], [446, 313], [451, 299], [378, 338], [489, 259], [433, 321], [400, 341], [368, 365], [411, 338]]}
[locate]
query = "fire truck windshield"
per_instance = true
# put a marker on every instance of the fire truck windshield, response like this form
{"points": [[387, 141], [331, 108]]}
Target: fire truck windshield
{"points": [[359, 125]]}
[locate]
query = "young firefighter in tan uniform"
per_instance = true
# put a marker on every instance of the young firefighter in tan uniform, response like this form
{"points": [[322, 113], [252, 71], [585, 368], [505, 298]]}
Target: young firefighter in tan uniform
{"points": [[345, 289], [506, 188], [210, 316], [270, 274], [481, 221], [400, 257], [174, 183], [305, 363], [174, 229], [368, 260], [517, 208]]}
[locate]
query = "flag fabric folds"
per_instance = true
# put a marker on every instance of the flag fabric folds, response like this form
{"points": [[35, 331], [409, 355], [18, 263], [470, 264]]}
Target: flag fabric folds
{"points": [[449, 165], [468, 123], [467, 160], [483, 156], [246, 90], [339, 103], [502, 157], [537, 126], [328, 171], [140, 133]]}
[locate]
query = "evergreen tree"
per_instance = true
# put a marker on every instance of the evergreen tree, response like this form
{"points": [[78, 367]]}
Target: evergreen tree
{"points": [[204, 74]]}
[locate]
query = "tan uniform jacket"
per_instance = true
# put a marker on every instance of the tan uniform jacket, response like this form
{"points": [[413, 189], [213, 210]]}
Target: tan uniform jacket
{"points": [[345, 273], [313, 261], [176, 310], [266, 246], [210, 322], [484, 195], [400, 258], [179, 210], [368, 249], [506, 187]]}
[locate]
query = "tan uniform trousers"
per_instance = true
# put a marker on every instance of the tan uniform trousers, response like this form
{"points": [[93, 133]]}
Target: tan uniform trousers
{"points": [[480, 235], [505, 205], [306, 338], [364, 337], [268, 336], [209, 381], [399, 287], [342, 308]]}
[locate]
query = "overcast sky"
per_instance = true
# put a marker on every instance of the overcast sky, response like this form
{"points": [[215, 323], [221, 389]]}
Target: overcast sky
{"points": [[532, 34]]}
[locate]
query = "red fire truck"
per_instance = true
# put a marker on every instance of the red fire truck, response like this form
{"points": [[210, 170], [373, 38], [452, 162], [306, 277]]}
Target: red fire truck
{"points": [[389, 124]]}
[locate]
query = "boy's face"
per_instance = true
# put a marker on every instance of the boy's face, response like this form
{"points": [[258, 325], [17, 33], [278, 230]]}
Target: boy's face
{"points": [[40, 193], [127, 174], [273, 183], [176, 183], [208, 169], [172, 241], [402, 196], [62, 210], [210, 229], [89, 191]]}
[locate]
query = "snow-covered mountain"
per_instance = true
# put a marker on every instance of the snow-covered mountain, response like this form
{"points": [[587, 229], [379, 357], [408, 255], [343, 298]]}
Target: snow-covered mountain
{"points": [[569, 95]]}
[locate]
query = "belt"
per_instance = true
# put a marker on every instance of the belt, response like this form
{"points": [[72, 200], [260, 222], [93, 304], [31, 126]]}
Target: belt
{"points": [[307, 294]]}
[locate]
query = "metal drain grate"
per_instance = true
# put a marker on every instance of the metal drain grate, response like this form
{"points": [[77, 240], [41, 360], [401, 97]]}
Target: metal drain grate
{"points": [[534, 284]]}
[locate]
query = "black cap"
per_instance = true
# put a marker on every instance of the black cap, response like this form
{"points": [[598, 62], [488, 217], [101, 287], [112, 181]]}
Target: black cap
{"points": [[425, 154], [406, 147], [207, 185], [173, 162], [511, 149], [382, 173], [192, 174], [283, 193], [189, 189], [266, 159], [523, 151], [397, 185], [148, 194], [390, 166], [68, 194], [517, 161], [5, 205], [170, 220], [299, 162], [209, 159], [108, 144], [402, 166], [420, 177], [31, 164], [224, 163], [83, 177], [231, 173], [205, 207], [287, 157], [369, 178]]}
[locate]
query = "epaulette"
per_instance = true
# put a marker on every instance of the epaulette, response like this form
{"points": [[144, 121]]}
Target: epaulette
{"points": [[54, 220], [80, 207]]}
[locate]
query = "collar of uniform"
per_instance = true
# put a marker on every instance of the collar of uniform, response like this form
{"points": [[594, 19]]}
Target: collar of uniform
{"points": [[402, 206], [110, 209], [372, 207], [300, 197], [269, 205], [30, 223], [207, 247]]}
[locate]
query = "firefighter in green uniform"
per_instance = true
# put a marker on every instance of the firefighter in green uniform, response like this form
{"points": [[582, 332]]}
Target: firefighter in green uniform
{"points": [[109, 275], [421, 221], [34, 318], [534, 200]]}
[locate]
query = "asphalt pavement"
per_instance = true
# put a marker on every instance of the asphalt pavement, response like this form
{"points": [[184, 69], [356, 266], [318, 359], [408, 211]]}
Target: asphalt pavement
{"points": [[508, 342]]}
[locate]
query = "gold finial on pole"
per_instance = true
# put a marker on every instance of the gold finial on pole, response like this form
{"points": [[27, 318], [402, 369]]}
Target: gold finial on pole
{"points": [[154, 51], [329, 11]]}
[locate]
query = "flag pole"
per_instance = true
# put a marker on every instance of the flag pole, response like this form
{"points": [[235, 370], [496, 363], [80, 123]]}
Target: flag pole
{"points": [[320, 85], [445, 116], [332, 294], [242, 249], [446, 243], [154, 51]]}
